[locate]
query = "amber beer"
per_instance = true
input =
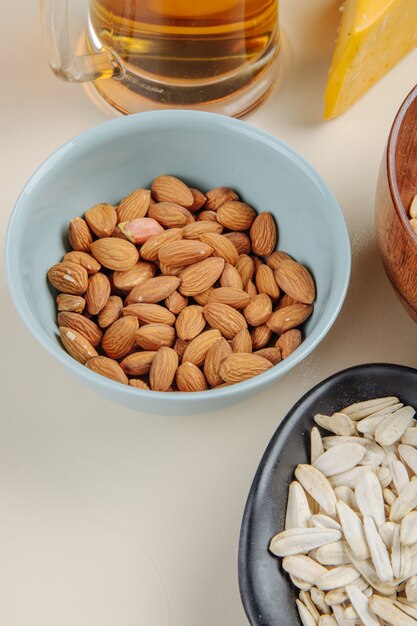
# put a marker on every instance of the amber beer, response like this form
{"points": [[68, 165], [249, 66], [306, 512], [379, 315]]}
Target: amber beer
{"points": [[183, 52]]}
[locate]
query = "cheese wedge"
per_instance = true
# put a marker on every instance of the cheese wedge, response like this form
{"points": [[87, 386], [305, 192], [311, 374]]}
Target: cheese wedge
{"points": [[373, 36]]}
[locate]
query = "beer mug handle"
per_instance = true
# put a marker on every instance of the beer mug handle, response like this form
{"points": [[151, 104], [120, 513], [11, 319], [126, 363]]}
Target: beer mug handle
{"points": [[64, 63]]}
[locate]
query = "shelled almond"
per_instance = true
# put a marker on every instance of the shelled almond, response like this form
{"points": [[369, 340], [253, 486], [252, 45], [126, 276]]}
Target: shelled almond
{"points": [[179, 290]]}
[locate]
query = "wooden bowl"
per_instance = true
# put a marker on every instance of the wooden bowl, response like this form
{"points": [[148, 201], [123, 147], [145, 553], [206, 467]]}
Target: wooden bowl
{"points": [[397, 186]]}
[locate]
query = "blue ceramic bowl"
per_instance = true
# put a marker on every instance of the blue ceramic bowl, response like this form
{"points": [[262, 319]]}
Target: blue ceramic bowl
{"points": [[107, 162]]}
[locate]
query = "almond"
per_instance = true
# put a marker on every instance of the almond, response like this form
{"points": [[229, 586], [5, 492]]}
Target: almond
{"points": [[169, 270], [138, 384], [215, 355], [163, 369], [136, 275], [83, 258], [134, 205], [246, 268], [236, 215], [251, 289], [180, 346], [69, 278], [289, 317], [199, 200], [76, 344], [176, 302], [238, 367], [118, 234], [107, 367], [276, 258], [183, 253], [257, 262], [79, 235], [242, 342], [97, 293], [263, 234], [119, 338], [139, 230], [236, 298], [168, 215], [225, 318], [209, 216], [197, 349], [272, 354], [150, 249], [153, 290], [285, 300], [101, 219], [138, 363], [190, 322], [296, 281], [266, 283], [218, 196], [289, 341], [240, 241], [260, 336], [68, 302], [259, 310], [115, 254], [110, 312], [150, 313], [195, 230], [230, 277], [200, 276], [203, 297], [82, 325], [171, 189], [154, 336], [190, 378], [221, 246]]}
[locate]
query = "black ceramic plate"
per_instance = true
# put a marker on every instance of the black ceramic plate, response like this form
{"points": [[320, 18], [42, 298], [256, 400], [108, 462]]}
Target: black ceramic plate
{"points": [[267, 595]]}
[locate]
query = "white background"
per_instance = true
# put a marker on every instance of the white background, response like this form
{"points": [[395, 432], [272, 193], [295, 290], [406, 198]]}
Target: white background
{"points": [[114, 518]]}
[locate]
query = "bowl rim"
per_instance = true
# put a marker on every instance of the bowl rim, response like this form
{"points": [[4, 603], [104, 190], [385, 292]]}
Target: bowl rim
{"points": [[390, 163], [247, 589], [139, 121]]}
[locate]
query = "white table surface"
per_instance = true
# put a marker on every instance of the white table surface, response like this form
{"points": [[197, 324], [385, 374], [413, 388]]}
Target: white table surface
{"points": [[114, 518]]}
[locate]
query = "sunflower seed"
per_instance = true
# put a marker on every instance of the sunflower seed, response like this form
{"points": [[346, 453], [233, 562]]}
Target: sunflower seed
{"points": [[317, 596], [369, 497], [305, 598], [351, 615], [409, 456], [316, 444], [304, 568], [392, 428], [389, 496], [347, 495], [367, 570], [386, 532], [337, 440], [301, 584], [405, 568], [374, 455], [405, 502], [408, 608], [327, 620], [298, 511], [306, 618], [340, 459], [408, 531], [338, 596], [390, 613], [337, 577], [361, 605], [301, 540], [332, 554], [411, 589], [349, 478], [369, 424], [367, 407], [379, 553], [353, 530], [338, 423], [317, 485], [396, 553], [410, 437], [399, 473], [384, 476], [339, 614]]}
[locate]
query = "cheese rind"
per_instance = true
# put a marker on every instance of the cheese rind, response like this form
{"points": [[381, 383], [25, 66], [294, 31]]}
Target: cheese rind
{"points": [[373, 36]]}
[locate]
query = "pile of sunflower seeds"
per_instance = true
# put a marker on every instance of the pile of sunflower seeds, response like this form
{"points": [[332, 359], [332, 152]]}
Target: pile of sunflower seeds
{"points": [[350, 538]]}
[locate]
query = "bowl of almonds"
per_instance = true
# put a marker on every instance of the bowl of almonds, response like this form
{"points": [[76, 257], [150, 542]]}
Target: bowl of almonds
{"points": [[329, 535], [177, 262]]}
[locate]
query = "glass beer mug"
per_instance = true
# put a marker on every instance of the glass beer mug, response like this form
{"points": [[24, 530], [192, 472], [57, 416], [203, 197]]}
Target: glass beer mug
{"points": [[215, 55]]}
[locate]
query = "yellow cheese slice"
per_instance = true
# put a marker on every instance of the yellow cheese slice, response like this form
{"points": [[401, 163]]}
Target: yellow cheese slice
{"points": [[373, 36]]}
